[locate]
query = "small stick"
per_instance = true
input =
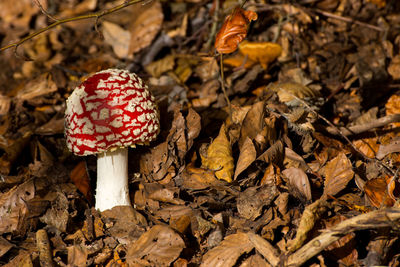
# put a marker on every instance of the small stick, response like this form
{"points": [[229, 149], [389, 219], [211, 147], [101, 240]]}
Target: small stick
{"points": [[44, 11], [349, 20], [357, 129], [96, 15], [43, 244], [223, 85]]}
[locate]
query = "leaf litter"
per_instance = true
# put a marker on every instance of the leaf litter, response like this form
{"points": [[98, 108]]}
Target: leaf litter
{"points": [[300, 168]]}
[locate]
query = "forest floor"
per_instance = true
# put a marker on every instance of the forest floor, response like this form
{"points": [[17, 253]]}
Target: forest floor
{"points": [[299, 167]]}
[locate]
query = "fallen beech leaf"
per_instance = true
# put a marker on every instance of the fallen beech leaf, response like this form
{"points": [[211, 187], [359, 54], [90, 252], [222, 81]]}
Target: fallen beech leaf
{"points": [[80, 177], [156, 68], [219, 157], [159, 246], [343, 250], [40, 86], [198, 178], [261, 52], [247, 156], [253, 122], [338, 172], [299, 185], [228, 252], [377, 191], [117, 37], [234, 30], [146, 26], [393, 107], [368, 146], [13, 208], [288, 90], [251, 202]]}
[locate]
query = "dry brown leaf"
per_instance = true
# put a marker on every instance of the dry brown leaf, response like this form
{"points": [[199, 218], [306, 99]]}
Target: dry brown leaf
{"points": [[274, 154], [253, 199], [368, 146], [198, 178], [158, 67], [310, 216], [385, 149], [228, 252], [254, 260], [261, 52], [253, 123], [299, 185], [394, 68], [234, 30], [264, 248], [289, 90], [344, 250], [147, 24], [338, 172], [219, 157], [77, 255], [40, 86], [117, 37], [80, 177], [4, 246], [19, 13], [159, 246], [247, 156], [13, 208], [377, 191], [393, 107]]}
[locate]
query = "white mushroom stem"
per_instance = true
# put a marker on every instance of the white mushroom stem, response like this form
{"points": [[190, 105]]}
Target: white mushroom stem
{"points": [[112, 179]]}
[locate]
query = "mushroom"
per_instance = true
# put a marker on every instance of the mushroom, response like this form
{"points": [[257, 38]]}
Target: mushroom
{"points": [[107, 113]]}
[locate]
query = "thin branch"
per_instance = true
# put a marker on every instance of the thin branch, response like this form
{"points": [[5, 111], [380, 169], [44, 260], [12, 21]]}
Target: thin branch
{"points": [[385, 218], [349, 20], [357, 129], [96, 15], [44, 11]]}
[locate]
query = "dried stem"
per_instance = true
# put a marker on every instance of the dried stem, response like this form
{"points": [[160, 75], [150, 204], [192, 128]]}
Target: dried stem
{"points": [[221, 59], [386, 218], [96, 16]]}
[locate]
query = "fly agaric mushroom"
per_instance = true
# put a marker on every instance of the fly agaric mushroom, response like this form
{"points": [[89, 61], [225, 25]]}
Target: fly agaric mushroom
{"points": [[106, 114]]}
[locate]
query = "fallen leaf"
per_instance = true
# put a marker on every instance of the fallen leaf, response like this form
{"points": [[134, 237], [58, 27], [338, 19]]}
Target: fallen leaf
{"points": [[377, 192], [253, 123], [251, 202], [393, 107], [40, 86], [198, 178], [338, 172], [343, 250], [145, 27], [288, 91], [159, 246], [385, 149], [261, 52], [299, 185], [158, 67], [233, 30], [13, 208], [368, 146], [117, 37], [247, 156], [228, 252], [80, 177], [219, 157]]}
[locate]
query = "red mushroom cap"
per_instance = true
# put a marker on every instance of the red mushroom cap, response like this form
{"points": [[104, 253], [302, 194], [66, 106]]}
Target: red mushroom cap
{"points": [[112, 108]]}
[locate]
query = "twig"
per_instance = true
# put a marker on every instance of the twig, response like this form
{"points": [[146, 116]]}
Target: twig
{"points": [[96, 15], [349, 20], [44, 11], [213, 30], [43, 244], [357, 129], [373, 220], [223, 85]]}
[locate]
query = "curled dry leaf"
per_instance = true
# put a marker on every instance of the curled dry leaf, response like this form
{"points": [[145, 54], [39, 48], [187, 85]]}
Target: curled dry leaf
{"points": [[261, 52], [117, 37], [13, 208], [146, 26], [289, 90], [338, 172], [299, 185], [368, 146], [247, 156], [393, 107], [380, 191], [157, 247], [253, 123], [219, 157], [228, 252], [234, 30], [198, 178]]}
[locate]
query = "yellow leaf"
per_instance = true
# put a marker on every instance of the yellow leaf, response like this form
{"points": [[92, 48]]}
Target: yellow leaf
{"points": [[262, 52], [239, 60], [219, 157]]}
